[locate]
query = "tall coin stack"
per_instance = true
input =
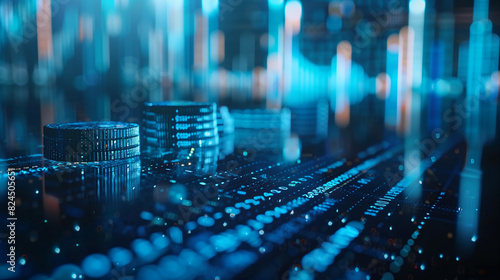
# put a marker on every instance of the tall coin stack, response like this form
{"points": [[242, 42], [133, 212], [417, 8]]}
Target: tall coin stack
{"points": [[180, 125], [91, 141]]}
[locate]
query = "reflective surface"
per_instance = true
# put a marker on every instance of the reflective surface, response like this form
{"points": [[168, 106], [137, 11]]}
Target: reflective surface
{"points": [[351, 214]]}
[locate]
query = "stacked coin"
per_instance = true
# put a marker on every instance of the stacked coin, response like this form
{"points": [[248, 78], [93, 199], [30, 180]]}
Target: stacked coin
{"points": [[225, 125], [310, 121], [225, 122], [180, 125], [91, 141], [261, 129]]}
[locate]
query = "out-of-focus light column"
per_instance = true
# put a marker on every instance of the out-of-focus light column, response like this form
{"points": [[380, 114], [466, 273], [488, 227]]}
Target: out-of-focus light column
{"points": [[45, 57], [470, 179], [343, 78], [176, 43], [275, 54], [414, 95], [391, 102], [293, 17], [210, 10], [405, 68]]}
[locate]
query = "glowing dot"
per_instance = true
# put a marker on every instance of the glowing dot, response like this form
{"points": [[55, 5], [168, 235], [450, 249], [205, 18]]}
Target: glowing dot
{"points": [[22, 261], [261, 232], [245, 153], [330, 223], [37, 192], [474, 238], [77, 228], [386, 256], [422, 267], [440, 256], [457, 258]]}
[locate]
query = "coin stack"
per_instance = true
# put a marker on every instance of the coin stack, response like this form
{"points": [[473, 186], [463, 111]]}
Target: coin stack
{"points": [[261, 129], [310, 121], [225, 122], [91, 141], [180, 125], [225, 125]]}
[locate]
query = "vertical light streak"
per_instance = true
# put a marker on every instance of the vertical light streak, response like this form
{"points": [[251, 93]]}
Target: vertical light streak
{"points": [[414, 84], [446, 26], [275, 54], [44, 30], [471, 177], [210, 10], [436, 73], [293, 17], [405, 69], [391, 103], [342, 104], [176, 45]]}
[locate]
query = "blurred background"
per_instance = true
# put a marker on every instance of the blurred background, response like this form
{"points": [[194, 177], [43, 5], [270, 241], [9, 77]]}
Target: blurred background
{"points": [[409, 67]]}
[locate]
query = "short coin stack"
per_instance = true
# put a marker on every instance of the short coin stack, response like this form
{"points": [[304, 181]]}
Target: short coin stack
{"points": [[91, 141], [180, 125]]}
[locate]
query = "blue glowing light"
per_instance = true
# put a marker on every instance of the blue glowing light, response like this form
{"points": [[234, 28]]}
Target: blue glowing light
{"points": [[146, 216], [209, 6], [120, 256], [160, 241], [176, 235], [67, 271], [143, 249], [96, 265]]}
